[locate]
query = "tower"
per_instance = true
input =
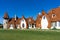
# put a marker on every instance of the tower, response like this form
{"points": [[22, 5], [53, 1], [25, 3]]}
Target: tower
{"points": [[5, 21]]}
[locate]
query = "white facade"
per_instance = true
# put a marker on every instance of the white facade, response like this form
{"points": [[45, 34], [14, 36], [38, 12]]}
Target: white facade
{"points": [[56, 25], [11, 26], [18, 26], [5, 21], [53, 25], [34, 26], [30, 26], [44, 23], [23, 23]]}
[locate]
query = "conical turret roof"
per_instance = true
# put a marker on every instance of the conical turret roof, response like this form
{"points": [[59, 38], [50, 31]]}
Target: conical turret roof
{"points": [[6, 15]]}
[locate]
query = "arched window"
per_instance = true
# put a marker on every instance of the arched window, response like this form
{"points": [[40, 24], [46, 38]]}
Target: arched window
{"points": [[23, 25], [43, 17], [53, 15]]}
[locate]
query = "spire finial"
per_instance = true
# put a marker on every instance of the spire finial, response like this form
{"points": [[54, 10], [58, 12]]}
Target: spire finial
{"points": [[15, 16]]}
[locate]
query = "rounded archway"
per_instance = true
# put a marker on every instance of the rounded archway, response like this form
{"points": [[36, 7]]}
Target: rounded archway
{"points": [[23, 24], [44, 23]]}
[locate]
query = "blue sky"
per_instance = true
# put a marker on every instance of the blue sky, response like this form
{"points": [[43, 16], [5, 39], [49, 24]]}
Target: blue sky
{"points": [[26, 7]]}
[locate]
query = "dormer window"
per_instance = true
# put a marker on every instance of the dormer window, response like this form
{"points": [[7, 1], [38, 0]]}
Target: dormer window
{"points": [[53, 15], [43, 17]]}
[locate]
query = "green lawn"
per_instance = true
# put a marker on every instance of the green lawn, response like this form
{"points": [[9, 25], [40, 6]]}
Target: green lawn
{"points": [[29, 35]]}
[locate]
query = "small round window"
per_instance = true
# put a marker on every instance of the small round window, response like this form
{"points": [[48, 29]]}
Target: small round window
{"points": [[53, 15]]}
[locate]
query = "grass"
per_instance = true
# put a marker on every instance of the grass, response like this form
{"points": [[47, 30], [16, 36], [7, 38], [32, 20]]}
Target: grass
{"points": [[29, 35]]}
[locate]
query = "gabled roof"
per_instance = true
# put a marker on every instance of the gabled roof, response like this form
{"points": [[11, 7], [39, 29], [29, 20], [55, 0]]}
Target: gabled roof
{"points": [[18, 21], [30, 20], [23, 17], [55, 11], [43, 12], [13, 21]]}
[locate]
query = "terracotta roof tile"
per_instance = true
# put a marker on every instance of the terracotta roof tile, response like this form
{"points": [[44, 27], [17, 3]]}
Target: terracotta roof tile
{"points": [[55, 11], [30, 20]]}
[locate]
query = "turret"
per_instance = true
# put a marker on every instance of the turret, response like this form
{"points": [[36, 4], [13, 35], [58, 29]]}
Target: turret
{"points": [[5, 20], [6, 16]]}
